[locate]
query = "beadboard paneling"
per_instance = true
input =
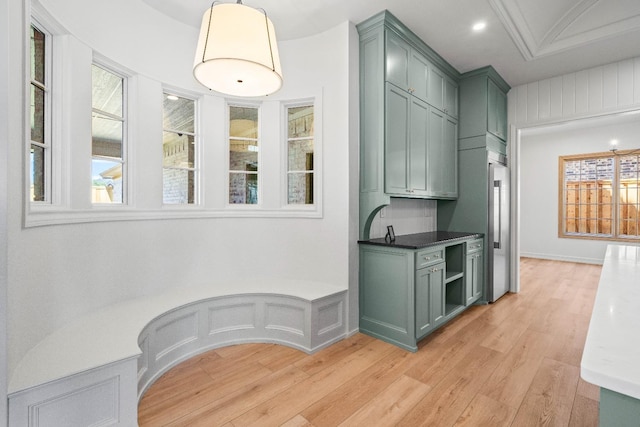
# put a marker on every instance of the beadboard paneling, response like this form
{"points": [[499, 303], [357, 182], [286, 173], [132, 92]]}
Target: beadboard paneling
{"points": [[600, 90]]}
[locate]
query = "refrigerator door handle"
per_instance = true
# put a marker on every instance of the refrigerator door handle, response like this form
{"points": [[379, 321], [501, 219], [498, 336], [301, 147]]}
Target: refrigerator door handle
{"points": [[497, 214]]}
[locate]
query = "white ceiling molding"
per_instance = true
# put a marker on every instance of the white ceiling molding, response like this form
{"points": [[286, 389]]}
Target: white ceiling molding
{"points": [[583, 22]]}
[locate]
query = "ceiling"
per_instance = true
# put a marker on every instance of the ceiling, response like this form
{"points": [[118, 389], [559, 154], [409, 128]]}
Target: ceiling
{"points": [[525, 40]]}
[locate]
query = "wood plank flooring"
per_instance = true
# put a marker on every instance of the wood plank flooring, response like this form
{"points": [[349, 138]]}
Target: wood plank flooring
{"points": [[512, 363]]}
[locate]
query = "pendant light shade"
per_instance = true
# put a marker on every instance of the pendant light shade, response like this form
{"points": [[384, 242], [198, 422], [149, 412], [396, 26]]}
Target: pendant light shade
{"points": [[237, 52]]}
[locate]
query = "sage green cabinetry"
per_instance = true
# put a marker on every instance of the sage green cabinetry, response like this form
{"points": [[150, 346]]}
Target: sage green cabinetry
{"points": [[408, 118], [483, 107], [474, 272], [405, 294], [420, 147], [482, 140]]}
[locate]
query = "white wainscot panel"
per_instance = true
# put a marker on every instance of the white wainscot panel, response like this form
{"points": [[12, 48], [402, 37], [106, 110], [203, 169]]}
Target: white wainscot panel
{"points": [[102, 397], [286, 318], [177, 330], [225, 317]]}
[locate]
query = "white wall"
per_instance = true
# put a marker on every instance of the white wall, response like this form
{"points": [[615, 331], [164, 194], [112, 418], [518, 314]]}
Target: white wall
{"points": [[407, 216], [58, 273], [575, 99], [539, 153], [4, 150]]}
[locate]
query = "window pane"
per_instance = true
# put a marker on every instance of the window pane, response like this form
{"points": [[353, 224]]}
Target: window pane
{"points": [[300, 187], [178, 185], [107, 181], [37, 114], [107, 136], [37, 55], [178, 150], [300, 121], [243, 188], [243, 122], [243, 155], [37, 162], [301, 155], [178, 114], [604, 226], [107, 93]]}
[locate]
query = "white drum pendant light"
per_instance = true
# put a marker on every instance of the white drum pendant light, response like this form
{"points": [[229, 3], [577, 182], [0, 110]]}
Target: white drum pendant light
{"points": [[237, 53]]}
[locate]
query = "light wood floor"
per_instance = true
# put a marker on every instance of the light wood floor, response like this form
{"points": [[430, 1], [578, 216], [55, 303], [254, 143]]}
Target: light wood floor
{"points": [[512, 363]]}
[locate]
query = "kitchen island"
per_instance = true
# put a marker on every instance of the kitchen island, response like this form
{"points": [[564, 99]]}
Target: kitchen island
{"points": [[611, 358], [411, 286]]}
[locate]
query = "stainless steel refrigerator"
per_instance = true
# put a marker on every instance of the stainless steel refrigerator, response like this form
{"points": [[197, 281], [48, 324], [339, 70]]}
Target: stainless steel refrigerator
{"points": [[498, 227]]}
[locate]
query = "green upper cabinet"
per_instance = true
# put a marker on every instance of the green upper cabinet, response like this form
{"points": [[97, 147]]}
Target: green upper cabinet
{"points": [[410, 70], [405, 67], [483, 105], [408, 118], [497, 111]]}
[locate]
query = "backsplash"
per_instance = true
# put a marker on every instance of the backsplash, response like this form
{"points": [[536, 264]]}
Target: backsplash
{"points": [[407, 216]]}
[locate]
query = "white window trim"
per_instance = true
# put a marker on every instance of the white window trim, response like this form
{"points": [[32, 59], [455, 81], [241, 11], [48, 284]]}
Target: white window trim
{"points": [[128, 119], [615, 184], [48, 144], [198, 164], [313, 210], [243, 207]]}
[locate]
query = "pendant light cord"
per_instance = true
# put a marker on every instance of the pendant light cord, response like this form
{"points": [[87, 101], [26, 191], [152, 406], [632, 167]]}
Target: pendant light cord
{"points": [[266, 23], [206, 40]]}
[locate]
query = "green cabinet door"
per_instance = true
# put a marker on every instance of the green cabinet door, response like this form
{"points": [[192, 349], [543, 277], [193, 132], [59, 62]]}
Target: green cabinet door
{"points": [[451, 98], [396, 166], [474, 277], [406, 145], [406, 67], [442, 165], [435, 97], [397, 61], [450, 159], [429, 300], [418, 148], [497, 111]]}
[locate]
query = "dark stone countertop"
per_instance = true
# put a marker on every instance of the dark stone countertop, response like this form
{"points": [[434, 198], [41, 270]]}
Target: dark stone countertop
{"points": [[422, 240]]}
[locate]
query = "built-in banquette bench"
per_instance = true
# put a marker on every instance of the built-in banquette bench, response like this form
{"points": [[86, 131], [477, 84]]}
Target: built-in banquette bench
{"points": [[93, 371]]}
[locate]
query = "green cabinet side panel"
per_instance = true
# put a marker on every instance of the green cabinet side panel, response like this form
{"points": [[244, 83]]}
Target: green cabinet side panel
{"points": [[372, 87], [387, 295], [618, 410], [469, 212]]}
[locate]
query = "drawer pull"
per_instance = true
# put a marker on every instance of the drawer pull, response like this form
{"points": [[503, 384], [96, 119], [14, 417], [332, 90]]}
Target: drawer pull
{"points": [[427, 258]]}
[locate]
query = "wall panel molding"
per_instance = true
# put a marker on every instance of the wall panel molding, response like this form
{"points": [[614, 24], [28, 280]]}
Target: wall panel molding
{"points": [[607, 89]]}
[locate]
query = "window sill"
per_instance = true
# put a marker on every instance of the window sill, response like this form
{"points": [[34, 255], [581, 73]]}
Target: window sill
{"points": [[52, 215]]}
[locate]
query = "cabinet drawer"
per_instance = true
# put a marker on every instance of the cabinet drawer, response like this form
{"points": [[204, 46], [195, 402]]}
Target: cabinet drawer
{"points": [[428, 257], [474, 246]]}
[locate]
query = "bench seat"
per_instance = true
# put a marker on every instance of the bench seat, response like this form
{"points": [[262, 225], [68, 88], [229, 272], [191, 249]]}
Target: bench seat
{"points": [[95, 369]]}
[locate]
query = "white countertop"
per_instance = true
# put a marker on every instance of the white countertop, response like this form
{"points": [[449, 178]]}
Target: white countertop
{"points": [[611, 357], [111, 335]]}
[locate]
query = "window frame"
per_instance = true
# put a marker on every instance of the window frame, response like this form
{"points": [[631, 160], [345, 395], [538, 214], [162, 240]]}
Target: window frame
{"points": [[48, 143], [259, 140], [286, 139], [197, 163], [615, 193], [126, 132]]}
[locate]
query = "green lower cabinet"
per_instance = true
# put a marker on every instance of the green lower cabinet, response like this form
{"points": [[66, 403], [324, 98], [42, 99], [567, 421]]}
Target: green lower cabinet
{"points": [[405, 294], [429, 301], [618, 410]]}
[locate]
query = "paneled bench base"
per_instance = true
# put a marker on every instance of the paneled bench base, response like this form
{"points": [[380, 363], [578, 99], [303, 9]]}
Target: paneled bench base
{"points": [[93, 372]]}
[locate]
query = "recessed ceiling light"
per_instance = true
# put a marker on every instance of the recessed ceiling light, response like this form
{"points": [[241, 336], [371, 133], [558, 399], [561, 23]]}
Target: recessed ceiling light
{"points": [[172, 97], [479, 26]]}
